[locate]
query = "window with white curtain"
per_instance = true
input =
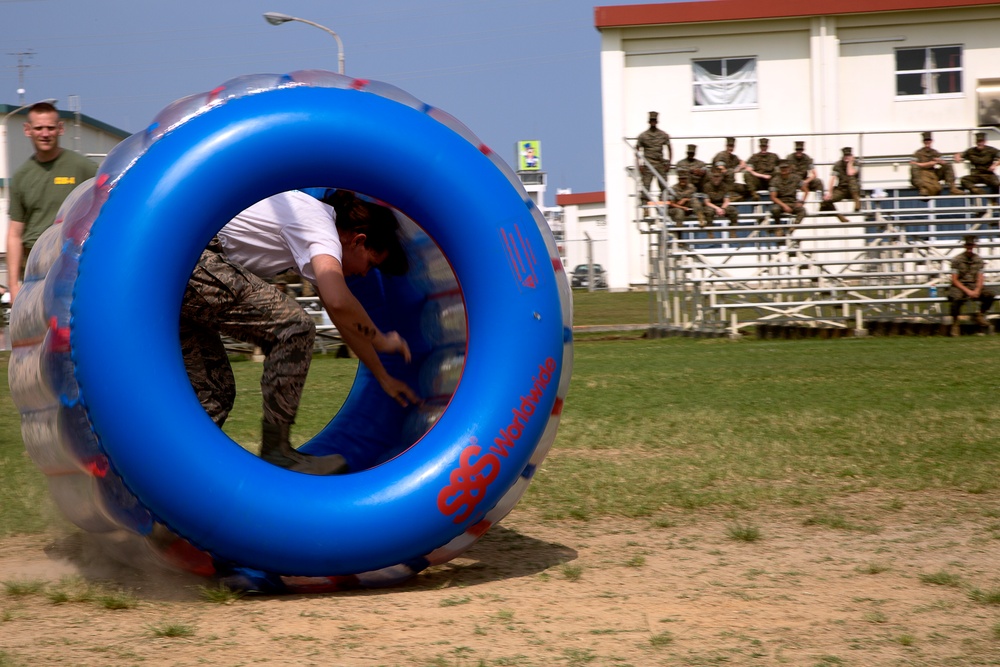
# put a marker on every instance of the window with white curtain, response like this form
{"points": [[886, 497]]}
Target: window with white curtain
{"points": [[928, 71], [725, 82]]}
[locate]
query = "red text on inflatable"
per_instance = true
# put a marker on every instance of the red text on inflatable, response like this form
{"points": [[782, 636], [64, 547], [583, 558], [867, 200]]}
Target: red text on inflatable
{"points": [[521, 257], [467, 484]]}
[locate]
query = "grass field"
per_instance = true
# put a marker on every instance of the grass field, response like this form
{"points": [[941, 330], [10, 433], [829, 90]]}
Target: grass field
{"points": [[706, 502], [651, 425]]}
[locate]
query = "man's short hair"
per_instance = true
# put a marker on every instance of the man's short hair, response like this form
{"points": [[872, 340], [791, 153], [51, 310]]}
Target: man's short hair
{"points": [[42, 107], [379, 225]]}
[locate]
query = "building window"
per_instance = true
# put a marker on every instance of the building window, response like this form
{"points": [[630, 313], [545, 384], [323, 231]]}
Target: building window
{"points": [[725, 82], [932, 70]]}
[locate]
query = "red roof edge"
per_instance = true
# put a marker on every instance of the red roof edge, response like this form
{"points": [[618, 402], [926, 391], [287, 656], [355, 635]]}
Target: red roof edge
{"points": [[576, 198], [740, 10]]}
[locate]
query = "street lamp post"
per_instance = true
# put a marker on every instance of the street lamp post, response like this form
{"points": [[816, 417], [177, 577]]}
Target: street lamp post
{"points": [[274, 18]]}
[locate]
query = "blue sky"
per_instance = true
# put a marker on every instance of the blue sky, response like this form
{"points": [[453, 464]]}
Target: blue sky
{"points": [[508, 69]]}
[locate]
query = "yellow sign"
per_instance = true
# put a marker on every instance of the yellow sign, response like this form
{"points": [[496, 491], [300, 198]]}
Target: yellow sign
{"points": [[529, 155]]}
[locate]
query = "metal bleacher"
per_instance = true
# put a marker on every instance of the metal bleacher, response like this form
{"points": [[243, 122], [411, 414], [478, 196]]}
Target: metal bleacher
{"points": [[884, 267]]}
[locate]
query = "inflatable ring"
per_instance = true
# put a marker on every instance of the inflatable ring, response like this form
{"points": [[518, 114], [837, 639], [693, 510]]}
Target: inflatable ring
{"points": [[109, 415]]}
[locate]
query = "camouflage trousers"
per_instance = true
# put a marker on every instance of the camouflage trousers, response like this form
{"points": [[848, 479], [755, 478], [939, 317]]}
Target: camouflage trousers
{"points": [[989, 179], [224, 298], [957, 298], [928, 181], [798, 210], [849, 190], [648, 177]]}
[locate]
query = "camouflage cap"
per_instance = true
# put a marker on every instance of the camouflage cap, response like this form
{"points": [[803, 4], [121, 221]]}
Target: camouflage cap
{"points": [[980, 136], [730, 141], [653, 115], [846, 150], [720, 163], [800, 145], [926, 136], [683, 173], [763, 142], [969, 240], [692, 148], [784, 163]]}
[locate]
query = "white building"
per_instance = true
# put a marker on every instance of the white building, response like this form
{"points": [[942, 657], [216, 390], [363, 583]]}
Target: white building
{"points": [[870, 74], [84, 134]]}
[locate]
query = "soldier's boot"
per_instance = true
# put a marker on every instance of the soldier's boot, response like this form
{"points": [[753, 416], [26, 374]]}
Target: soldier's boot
{"points": [[276, 449], [981, 319], [857, 203], [954, 189], [956, 330]]}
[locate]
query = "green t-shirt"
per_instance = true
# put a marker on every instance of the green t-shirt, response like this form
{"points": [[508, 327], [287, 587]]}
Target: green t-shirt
{"points": [[40, 188]]}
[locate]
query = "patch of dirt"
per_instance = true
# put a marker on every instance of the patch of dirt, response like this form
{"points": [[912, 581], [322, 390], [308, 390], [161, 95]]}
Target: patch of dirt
{"points": [[839, 584]]}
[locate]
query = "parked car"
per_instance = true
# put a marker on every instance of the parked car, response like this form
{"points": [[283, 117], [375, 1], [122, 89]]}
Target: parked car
{"points": [[581, 276]]}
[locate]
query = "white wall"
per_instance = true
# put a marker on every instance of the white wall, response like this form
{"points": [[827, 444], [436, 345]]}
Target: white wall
{"points": [[809, 83], [581, 221]]}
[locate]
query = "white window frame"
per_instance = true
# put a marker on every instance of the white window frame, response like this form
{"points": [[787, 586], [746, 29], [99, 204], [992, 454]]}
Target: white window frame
{"points": [[695, 84], [928, 70]]}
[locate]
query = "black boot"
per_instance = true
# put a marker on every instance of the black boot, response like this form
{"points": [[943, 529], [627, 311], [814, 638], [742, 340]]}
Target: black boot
{"points": [[276, 449]]}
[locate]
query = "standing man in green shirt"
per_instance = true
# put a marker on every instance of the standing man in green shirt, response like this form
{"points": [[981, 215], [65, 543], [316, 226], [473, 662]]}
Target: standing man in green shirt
{"points": [[40, 186]]}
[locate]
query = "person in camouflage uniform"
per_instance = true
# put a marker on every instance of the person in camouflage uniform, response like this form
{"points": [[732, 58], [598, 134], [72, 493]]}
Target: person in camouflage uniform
{"points": [[733, 165], [983, 161], [928, 170], [683, 204], [228, 294], [651, 143], [785, 186], [695, 167], [844, 183], [805, 169], [967, 281], [760, 167], [717, 199]]}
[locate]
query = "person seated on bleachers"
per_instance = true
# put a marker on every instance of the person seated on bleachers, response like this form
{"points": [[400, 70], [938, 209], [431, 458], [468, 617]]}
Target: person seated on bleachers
{"points": [[928, 170], [983, 161], [803, 166], [717, 200], [844, 183], [682, 204], [785, 187], [967, 281], [761, 166], [696, 168], [733, 165]]}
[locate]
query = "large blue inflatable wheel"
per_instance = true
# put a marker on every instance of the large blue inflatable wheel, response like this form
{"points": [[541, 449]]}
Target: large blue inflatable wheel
{"points": [[109, 415]]}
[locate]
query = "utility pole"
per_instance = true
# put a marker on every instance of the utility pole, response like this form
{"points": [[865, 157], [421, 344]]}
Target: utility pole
{"points": [[21, 66], [74, 105]]}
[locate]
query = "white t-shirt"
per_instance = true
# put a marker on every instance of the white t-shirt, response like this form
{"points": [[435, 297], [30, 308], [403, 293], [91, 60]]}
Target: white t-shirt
{"points": [[282, 232]]}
